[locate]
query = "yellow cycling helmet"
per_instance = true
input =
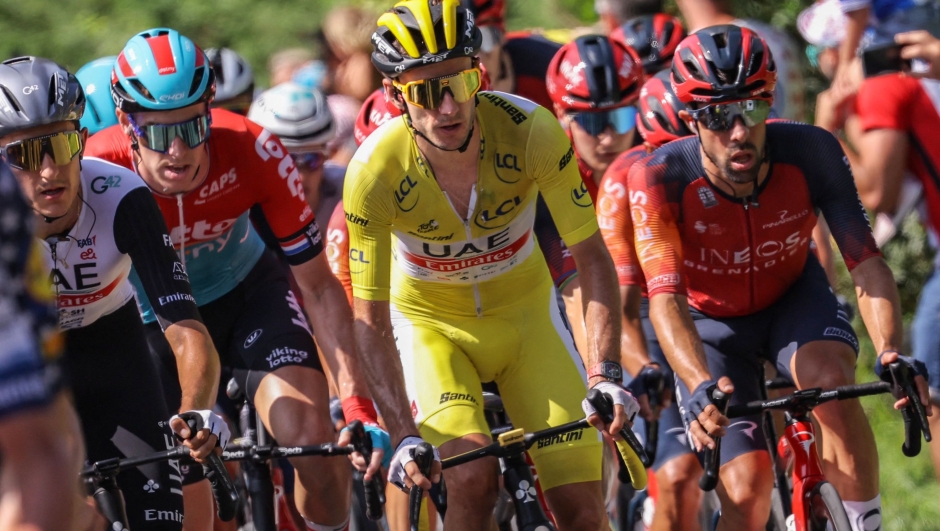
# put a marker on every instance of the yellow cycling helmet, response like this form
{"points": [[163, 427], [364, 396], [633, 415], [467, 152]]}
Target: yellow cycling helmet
{"points": [[420, 32]]}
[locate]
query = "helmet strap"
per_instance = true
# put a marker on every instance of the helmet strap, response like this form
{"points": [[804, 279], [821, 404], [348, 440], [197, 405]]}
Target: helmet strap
{"points": [[461, 149]]}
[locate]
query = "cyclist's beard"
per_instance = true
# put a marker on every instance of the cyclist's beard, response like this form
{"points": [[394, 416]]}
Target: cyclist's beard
{"points": [[739, 177]]}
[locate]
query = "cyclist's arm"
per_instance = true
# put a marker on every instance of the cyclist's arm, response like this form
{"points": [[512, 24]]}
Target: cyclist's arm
{"points": [[331, 317], [600, 300], [337, 249], [382, 365], [633, 353], [141, 233], [821, 237], [367, 203], [879, 303]]}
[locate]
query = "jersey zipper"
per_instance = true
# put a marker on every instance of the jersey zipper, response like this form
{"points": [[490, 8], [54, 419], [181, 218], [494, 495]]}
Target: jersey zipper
{"points": [[752, 251], [179, 207]]}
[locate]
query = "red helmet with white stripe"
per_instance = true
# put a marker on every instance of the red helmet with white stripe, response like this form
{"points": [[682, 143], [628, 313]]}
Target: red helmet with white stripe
{"points": [[721, 64], [373, 113], [593, 73]]}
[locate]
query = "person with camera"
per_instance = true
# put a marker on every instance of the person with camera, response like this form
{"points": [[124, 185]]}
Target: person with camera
{"points": [[891, 132]]}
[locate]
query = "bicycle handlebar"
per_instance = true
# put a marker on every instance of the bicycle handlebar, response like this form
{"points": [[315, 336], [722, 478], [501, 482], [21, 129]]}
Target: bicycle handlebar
{"points": [[634, 456], [223, 488], [373, 488], [709, 479], [914, 414], [424, 457]]}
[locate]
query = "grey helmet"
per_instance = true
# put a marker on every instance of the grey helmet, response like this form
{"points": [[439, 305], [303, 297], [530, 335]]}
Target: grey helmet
{"points": [[36, 91]]}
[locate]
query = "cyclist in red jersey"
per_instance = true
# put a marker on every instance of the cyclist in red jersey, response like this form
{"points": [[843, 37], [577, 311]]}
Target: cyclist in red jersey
{"points": [[899, 118], [593, 82], [677, 470], [206, 169], [722, 224]]}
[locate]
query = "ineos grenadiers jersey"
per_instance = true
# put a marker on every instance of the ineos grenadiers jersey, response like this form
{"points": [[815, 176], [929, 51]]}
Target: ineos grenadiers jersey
{"points": [[736, 256], [119, 224], [613, 217], [247, 166], [396, 211]]}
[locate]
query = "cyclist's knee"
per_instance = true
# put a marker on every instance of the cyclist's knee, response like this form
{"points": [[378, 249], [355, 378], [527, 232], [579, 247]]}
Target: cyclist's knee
{"points": [[824, 364], [678, 480], [745, 484], [477, 483], [577, 506]]}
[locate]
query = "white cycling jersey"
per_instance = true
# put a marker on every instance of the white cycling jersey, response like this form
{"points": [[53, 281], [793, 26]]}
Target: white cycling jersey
{"points": [[119, 225]]}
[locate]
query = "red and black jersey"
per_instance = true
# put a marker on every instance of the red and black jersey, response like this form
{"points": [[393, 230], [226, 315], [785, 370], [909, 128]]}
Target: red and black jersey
{"points": [[530, 54], [903, 103], [736, 256]]}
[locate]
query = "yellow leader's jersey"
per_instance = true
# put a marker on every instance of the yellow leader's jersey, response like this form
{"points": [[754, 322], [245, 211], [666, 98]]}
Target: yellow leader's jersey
{"points": [[395, 211]]}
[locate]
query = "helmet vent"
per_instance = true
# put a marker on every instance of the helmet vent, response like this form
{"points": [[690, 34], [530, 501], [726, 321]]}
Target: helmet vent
{"points": [[11, 99], [140, 88], [51, 93], [197, 80]]}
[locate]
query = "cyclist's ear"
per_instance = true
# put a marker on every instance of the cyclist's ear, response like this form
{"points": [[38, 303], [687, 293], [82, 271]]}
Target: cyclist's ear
{"points": [[393, 95]]}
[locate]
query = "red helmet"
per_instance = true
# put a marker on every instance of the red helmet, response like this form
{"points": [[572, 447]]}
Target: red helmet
{"points": [[592, 73], [654, 37], [720, 64], [659, 112], [374, 112]]}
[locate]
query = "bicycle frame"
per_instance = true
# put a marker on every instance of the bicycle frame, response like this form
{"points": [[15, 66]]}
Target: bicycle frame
{"points": [[798, 446]]}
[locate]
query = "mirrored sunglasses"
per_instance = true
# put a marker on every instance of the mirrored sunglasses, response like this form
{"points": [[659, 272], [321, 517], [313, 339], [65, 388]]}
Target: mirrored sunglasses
{"points": [[310, 161], [159, 137], [620, 120], [429, 93], [721, 117], [27, 154]]}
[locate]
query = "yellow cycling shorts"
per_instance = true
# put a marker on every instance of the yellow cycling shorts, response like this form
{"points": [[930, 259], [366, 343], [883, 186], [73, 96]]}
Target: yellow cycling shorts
{"points": [[525, 348]]}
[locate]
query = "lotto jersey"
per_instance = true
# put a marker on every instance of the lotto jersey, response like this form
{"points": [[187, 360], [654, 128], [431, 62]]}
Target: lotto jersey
{"points": [[396, 212], [613, 217], [247, 165], [912, 106], [736, 256]]}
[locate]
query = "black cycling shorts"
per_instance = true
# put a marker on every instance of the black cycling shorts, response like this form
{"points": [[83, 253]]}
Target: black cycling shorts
{"points": [[120, 403], [257, 328], [735, 347]]}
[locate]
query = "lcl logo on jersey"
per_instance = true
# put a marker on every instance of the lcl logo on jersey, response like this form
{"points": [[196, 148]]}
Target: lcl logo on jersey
{"points": [[494, 218], [580, 196], [405, 188], [506, 161]]}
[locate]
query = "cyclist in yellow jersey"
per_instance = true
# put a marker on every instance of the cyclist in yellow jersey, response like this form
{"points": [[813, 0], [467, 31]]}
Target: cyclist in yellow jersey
{"points": [[440, 205]]}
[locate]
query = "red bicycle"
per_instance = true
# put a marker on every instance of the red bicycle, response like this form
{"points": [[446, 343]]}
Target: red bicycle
{"points": [[816, 506]]}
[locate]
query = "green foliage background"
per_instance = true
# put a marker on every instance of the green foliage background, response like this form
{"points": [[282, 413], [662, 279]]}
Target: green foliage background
{"points": [[78, 31]]}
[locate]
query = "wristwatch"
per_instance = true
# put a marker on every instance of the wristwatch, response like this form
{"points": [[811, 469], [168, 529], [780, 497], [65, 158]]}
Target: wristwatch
{"points": [[609, 370]]}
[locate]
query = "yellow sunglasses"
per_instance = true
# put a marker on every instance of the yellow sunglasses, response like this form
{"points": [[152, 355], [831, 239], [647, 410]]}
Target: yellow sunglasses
{"points": [[429, 93]]}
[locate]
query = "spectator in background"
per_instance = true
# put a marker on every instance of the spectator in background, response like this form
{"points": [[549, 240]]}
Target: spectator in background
{"points": [[346, 33], [924, 46], [788, 96], [342, 146], [283, 64], [822, 25], [898, 119], [614, 13]]}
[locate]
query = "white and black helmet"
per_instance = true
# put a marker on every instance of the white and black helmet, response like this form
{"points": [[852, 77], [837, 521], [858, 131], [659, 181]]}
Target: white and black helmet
{"points": [[233, 74], [297, 114], [36, 91]]}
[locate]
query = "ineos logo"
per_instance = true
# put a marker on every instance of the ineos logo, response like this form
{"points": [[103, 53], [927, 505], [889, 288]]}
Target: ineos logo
{"points": [[30, 89], [252, 337]]}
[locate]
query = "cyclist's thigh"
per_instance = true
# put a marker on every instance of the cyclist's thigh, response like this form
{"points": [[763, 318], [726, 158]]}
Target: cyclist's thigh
{"points": [[731, 347], [120, 402], [542, 387], [442, 383], [925, 331], [271, 331], [807, 312]]}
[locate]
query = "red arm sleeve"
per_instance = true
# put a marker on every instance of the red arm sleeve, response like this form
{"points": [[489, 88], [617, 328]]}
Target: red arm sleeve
{"points": [[337, 249], [656, 233]]}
